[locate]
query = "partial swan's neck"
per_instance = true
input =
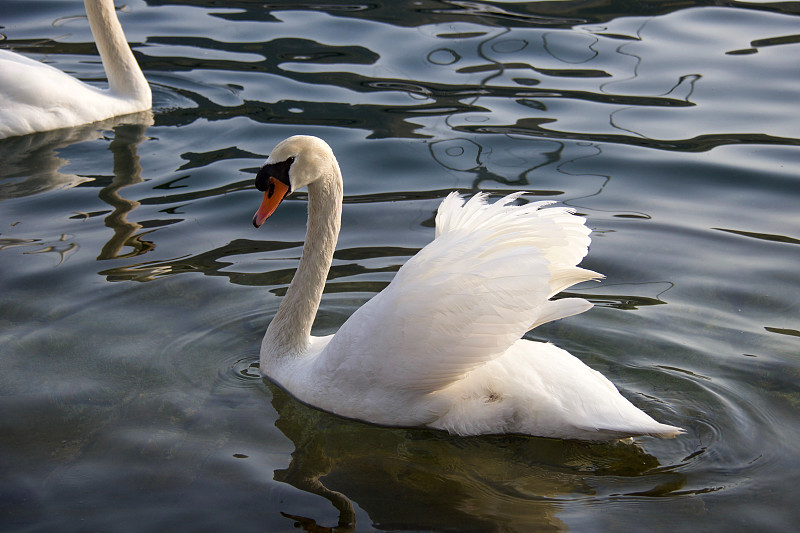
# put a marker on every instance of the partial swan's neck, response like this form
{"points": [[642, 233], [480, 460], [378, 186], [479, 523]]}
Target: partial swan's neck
{"points": [[125, 78], [289, 332]]}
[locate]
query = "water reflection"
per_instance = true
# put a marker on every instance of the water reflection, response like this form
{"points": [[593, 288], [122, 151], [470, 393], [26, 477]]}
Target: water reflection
{"points": [[417, 479], [32, 164], [528, 164], [127, 171], [63, 247], [465, 154], [483, 49]]}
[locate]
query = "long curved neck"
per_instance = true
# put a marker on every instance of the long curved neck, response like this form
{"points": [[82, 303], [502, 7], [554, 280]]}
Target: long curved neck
{"points": [[125, 78], [289, 332]]}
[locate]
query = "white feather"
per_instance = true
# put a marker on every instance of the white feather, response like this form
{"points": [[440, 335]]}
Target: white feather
{"points": [[36, 97]]}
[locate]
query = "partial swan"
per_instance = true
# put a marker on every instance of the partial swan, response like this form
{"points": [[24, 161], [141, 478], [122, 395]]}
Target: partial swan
{"points": [[36, 97], [441, 345]]}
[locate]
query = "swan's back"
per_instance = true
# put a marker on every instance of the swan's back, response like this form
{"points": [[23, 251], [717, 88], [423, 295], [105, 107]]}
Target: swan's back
{"points": [[29, 102], [37, 97], [539, 389]]}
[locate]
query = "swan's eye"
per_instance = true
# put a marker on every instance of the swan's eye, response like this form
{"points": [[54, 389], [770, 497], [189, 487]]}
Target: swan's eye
{"points": [[278, 171]]}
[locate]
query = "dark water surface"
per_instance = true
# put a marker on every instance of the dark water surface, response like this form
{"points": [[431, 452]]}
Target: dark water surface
{"points": [[135, 291]]}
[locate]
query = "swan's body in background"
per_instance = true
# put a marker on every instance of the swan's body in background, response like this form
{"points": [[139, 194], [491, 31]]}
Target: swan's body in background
{"points": [[37, 97], [441, 345]]}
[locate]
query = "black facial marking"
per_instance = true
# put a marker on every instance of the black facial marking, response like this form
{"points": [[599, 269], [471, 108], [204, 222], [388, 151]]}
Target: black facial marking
{"points": [[271, 189], [279, 171]]}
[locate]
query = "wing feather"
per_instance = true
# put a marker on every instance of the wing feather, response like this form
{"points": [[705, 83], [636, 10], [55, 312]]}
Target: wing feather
{"points": [[466, 297]]}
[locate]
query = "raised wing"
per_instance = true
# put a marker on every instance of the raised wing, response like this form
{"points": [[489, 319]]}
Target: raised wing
{"points": [[466, 297]]}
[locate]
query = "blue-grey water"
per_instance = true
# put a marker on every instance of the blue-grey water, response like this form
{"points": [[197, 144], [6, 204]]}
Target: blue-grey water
{"points": [[134, 291]]}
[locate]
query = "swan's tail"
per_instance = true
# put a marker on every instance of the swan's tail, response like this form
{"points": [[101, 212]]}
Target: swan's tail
{"points": [[666, 431], [655, 429]]}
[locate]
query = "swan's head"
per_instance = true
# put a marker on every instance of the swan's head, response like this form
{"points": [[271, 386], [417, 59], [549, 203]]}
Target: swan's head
{"points": [[293, 163]]}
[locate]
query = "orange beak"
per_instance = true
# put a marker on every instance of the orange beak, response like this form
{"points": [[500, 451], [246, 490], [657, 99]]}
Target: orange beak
{"points": [[273, 196]]}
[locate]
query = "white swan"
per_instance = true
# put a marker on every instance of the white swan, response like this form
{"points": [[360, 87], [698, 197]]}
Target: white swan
{"points": [[441, 345], [37, 97]]}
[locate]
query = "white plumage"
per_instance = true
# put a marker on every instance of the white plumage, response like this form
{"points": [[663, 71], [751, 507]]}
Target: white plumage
{"points": [[441, 345], [36, 97]]}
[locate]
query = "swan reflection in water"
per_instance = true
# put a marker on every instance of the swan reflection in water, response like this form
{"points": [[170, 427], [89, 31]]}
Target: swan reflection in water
{"points": [[32, 164], [406, 479], [127, 171]]}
